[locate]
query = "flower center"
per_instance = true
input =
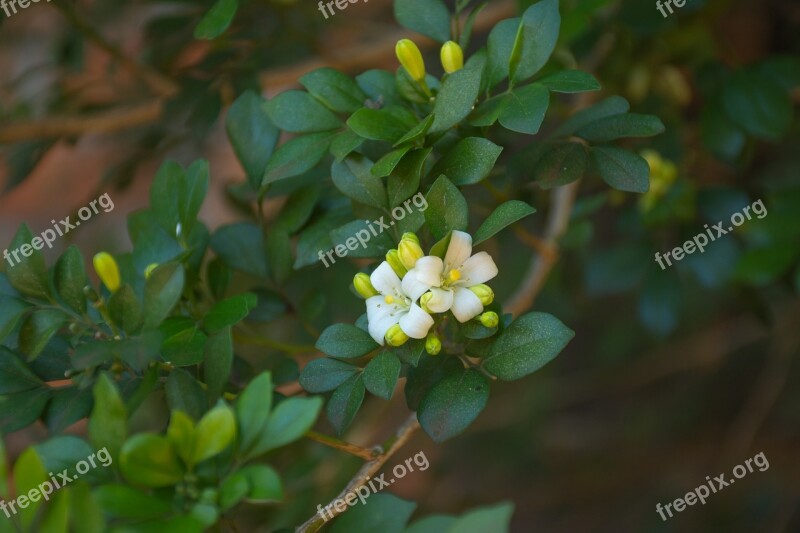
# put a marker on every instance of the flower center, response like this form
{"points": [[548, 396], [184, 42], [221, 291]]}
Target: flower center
{"points": [[451, 277], [388, 299]]}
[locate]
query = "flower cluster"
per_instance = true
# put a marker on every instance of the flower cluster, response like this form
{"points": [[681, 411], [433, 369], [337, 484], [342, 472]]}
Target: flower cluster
{"points": [[408, 287]]}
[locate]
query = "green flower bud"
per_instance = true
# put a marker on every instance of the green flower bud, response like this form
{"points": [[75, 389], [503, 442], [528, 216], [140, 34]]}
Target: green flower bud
{"points": [[149, 270], [410, 57], [423, 301], [452, 57], [393, 258], [364, 286], [395, 336], [409, 251], [432, 344], [107, 270], [489, 319], [484, 293], [408, 236]]}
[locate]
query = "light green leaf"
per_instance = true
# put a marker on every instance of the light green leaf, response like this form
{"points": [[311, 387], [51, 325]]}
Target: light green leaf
{"points": [[215, 432], [216, 20], [150, 460], [494, 518], [108, 423]]}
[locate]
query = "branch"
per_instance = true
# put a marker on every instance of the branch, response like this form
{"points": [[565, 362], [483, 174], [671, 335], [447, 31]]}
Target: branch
{"points": [[404, 433], [562, 199], [341, 445]]}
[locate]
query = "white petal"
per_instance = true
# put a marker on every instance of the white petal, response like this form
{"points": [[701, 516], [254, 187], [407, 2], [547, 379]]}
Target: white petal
{"points": [[466, 305], [478, 269], [385, 280], [413, 287], [416, 323], [459, 250], [441, 301], [429, 270], [381, 316]]}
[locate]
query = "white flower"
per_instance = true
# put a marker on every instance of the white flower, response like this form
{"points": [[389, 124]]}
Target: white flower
{"points": [[450, 280], [395, 306]]}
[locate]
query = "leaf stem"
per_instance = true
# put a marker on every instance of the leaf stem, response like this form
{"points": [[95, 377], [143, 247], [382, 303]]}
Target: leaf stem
{"points": [[341, 445]]}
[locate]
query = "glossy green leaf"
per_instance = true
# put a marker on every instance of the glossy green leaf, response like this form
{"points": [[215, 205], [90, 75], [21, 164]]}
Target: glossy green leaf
{"points": [[70, 279], [469, 161], [505, 215], [453, 403], [252, 135], [323, 375], [381, 375], [299, 112], [447, 209], [345, 341]]}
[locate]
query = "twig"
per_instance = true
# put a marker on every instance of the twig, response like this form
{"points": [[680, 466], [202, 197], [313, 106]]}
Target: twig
{"points": [[338, 444], [562, 199], [404, 433]]}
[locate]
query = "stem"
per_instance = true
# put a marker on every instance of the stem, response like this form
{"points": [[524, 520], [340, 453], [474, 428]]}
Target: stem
{"points": [[341, 445]]}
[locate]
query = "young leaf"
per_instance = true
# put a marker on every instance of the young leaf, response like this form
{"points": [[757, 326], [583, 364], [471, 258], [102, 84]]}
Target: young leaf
{"points": [[70, 279], [150, 460], [108, 423], [215, 432], [453, 403], [505, 215], [345, 402], [623, 170], [252, 135], [381, 374], [323, 375], [345, 341], [288, 422], [299, 112], [428, 17], [526, 345], [447, 209], [229, 312], [216, 20], [469, 161]]}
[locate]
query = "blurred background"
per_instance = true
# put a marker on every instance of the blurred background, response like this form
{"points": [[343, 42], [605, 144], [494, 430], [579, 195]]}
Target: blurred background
{"points": [[674, 375]]}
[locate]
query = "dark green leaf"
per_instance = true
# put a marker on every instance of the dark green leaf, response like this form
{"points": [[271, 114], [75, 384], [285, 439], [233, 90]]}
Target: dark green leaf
{"points": [[494, 518], [349, 238], [455, 99], [125, 309], [288, 422], [453, 404], [29, 275], [418, 132], [386, 164], [353, 177], [618, 126], [469, 161], [121, 501], [336, 90], [381, 374], [296, 156], [405, 178], [378, 124], [536, 39], [529, 343], [184, 347], [562, 163], [571, 81], [757, 104], [67, 406], [344, 143], [623, 170], [345, 402], [242, 247], [15, 376], [70, 279], [323, 375], [428, 17], [379, 85], [297, 209], [21, 409], [185, 394], [38, 329], [524, 109], [252, 410], [447, 209], [382, 512], [345, 341], [299, 112], [11, 311], [614, 105], [218, 361], [316, 237], [252, 135], [216, 20], [505, 215], [229, 312], [279, 254], [500, 45], [162, 290]]}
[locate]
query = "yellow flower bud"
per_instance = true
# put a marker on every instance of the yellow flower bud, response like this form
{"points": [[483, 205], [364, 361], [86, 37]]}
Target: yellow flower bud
{"points": [[393, 258], [149, 270], [107, 270], [489, 319], [484, 293], [452, 57], [364, 286], [408, 236], [432, 344], [423, 301], [410, 57], [395, 336], [409, 251]]}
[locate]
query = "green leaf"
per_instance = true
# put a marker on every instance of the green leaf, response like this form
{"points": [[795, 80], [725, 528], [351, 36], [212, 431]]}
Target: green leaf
{"points": [[524, 108], [216, 20], [614, 105], [345, 341], [379, 85], [536, 39], [165, 196], [67, 406], [405, 178], [455, 99], [184, 343], [218, 362], [242, 247], [215, 432], [500, 45], [288, 422], [344, 143], [70, 279], [762, 266], [386, 164], [719, 133], [252, 135], [562, 163], [297, 209], [185, 394], [125, 309], [162, 290], [348, 239], [296, 156], [453, 403], [181, 433], [21, 409], [192, 194], [29, 276], [381, 375], [526, 345], [618, 126], [623, 170], [15, 376], [432, 524], [121, 501], [323, 375], [229, 312], [466, 31], [505, 215], [345, 402], [278, 247], [150, 460], [299, 112], [336, 90], [252, 410], [469, 161], [494, 518], [447, 209], [571, 81], [11, 311], [382, 512], [418, 132], [316, 237], [378, 124], [431, 18], [108, 423], [28, 473], [353, 177], [264, 484], [38, 329], [757, 104]]}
